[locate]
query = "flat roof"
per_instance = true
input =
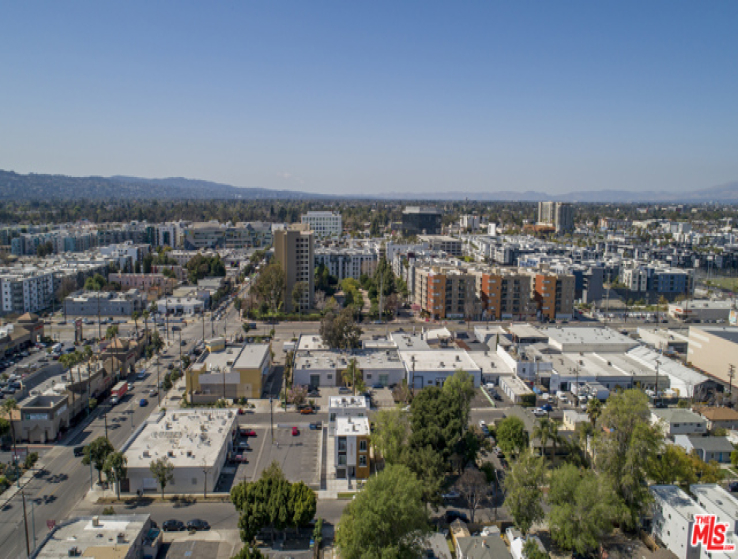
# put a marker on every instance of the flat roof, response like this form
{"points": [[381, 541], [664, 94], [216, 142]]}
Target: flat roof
{"points": [[728, 333], [348, 402], [246, 356], [667, 366], [99, 541], [677, 499], [581, 336], [378, 359], [717, 497], [440, 360], [308, 342], [356, 426], [516, 385], [525, 330], [189, 438], [320, 360], [409, 341], [489, 362]]}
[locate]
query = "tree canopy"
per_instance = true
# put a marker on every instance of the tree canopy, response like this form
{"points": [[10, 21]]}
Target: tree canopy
{"points": [[339, 331], [386, 519]]}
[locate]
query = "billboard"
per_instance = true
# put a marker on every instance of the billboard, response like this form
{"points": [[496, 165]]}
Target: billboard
{"points": [[733, 318]]}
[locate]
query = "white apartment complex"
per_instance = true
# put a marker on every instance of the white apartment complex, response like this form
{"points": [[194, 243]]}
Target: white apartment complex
{"points": [[324, 224], [26, 290]]}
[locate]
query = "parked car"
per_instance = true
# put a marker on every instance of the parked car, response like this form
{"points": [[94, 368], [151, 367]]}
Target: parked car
{"points": [[344, 390], [733, 486], [451, 495], [539, 412], [316, 426], [451, 515], [307, 410], [547, 407], [173, 526], [378, 386], [248, 432], [482, 424], [79, 451], [153, 392], [243, 445], [295, 431], [198, 525]]}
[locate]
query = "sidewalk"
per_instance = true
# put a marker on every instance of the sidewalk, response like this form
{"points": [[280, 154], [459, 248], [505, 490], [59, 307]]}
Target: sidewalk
{"points": [[24, 480]]}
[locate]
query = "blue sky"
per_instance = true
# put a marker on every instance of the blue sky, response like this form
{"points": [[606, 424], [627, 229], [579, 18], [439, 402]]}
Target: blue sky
{"points": [[375, 97]]}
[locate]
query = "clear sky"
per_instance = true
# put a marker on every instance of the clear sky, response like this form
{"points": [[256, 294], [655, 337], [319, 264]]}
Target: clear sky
{"points": [[375, 97]]}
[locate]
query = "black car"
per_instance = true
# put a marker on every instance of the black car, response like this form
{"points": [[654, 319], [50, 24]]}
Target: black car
{"points": [[451, 515], [79, 450], [173, 526], [198, 525], [733, 486]]}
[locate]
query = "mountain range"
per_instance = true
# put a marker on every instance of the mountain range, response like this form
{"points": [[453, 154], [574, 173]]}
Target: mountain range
{"points": [[14, 186]]}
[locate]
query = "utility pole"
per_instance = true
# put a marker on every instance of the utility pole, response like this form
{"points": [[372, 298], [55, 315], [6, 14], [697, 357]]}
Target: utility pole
{"points": [[158, 381], [99, 327], [271, 417], [25, 523], [105, 416], [205, 472], [731, 374], [203, 325]]}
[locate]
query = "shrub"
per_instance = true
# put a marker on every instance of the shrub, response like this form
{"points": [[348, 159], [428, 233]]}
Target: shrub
{"points": [[108, 511], [31, 459]]}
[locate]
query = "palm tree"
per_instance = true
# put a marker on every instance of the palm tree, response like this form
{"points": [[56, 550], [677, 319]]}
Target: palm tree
{"points": [[546, 430], [135, 316], [111, 332], [594, 410], [8, 406], [145, 315]]}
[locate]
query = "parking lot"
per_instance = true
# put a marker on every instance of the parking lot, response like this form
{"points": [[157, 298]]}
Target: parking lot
{"points": [[297, 455]]}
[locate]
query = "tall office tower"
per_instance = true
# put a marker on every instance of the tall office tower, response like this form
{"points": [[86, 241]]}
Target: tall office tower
{"points": [[293, 249]]}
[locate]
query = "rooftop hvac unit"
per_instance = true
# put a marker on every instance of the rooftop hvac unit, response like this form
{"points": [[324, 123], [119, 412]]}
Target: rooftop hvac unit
{"points": [[146, 454], [121, 538], [96, 521], [170, 453], [189, 454]]}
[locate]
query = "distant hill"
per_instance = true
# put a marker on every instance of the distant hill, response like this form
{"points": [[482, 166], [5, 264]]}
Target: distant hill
{"points": [[14, 186]]}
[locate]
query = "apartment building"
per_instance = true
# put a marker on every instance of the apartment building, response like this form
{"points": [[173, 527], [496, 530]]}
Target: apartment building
{"points": [[445, 292], [294, 250], [144, 282], [347, 262], [104, 303], [673, 520], [352, 448], [504, 294], [554, 295], [442, 243], [324, 224], [25, 290], [560, 215]]}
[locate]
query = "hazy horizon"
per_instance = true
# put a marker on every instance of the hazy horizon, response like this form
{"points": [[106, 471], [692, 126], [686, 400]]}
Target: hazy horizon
{"points": [[350, 99]]}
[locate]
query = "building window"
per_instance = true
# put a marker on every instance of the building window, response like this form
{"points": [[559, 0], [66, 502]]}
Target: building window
{"points": [[329, 377], [362, 460], [362, 446], [341, 459], [342, 444]]}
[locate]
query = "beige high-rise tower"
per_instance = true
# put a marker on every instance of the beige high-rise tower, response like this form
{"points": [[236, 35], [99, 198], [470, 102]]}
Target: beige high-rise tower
{"points": [[293, 249]]}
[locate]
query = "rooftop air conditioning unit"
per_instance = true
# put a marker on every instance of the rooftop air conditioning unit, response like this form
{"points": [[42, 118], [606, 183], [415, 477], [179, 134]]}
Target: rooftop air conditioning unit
{"points": [[96, 521], [170, 453]]}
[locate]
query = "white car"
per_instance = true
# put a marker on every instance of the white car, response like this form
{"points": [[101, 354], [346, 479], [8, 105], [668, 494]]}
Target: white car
{"points": [[482, 424], [539, 412], [451, 495]]}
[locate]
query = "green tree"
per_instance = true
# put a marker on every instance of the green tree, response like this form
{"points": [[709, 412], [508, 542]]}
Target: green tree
{"points": [[594, 410], [671, 465], [429, 468], [587, 512], [8, 407], [135, 316], [625, 449], [298, 290], [511, 435], [546, 430], [111, 332], [163, 471], [248, 552], [116, 469], [387, 519], [270, 286], [339, 331], [532, 551], [97, 453], [391, 431], [460, 385], [302, 504], [524, 494]]}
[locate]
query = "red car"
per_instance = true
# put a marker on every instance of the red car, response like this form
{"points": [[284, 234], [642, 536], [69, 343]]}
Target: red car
{"points": [[248, 433], [295, 431]]}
